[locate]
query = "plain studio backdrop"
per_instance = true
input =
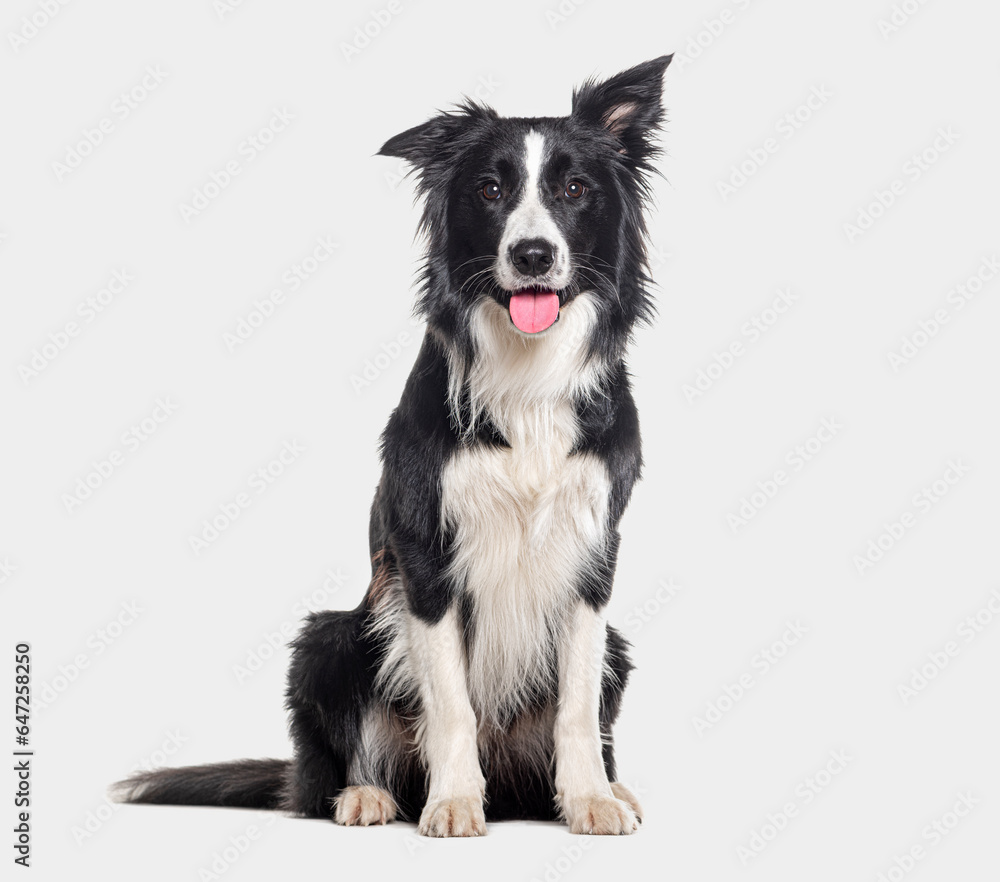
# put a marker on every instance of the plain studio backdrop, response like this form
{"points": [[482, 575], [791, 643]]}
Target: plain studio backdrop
{"points": [[808, 572]]}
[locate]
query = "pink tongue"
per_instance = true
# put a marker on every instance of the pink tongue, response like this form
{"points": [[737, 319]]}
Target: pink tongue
{"points": [[534, 311]]}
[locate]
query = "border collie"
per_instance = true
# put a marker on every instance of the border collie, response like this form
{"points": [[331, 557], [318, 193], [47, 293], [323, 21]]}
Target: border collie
{"points": [[479, 678]]}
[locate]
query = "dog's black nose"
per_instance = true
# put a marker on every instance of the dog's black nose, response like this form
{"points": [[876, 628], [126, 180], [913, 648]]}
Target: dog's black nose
{"points": [[532, 257]]}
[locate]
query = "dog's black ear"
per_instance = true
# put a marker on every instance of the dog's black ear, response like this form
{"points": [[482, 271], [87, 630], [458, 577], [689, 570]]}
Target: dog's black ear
{"points": [[629, 105], [436, 140], [422, 143]]}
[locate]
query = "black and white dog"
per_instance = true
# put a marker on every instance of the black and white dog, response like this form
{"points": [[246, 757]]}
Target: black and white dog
{"points": [[479, 678]]}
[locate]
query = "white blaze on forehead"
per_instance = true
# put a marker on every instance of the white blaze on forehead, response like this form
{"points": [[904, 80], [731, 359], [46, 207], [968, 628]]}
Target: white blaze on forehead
{"points": [[534, 155], [531, 220]]}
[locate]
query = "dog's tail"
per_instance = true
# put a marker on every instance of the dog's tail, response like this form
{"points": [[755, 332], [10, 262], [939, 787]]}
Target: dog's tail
{"points": [[248, 783]]}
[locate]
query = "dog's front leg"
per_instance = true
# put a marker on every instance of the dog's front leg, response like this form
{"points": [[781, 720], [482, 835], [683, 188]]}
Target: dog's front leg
{"points": [[583, 792], [447, 731]]}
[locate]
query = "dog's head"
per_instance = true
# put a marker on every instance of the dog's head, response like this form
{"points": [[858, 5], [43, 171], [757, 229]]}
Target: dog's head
{"points": [[532, 212]]}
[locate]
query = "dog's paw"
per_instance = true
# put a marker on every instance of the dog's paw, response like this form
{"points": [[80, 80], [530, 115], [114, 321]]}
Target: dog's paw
{"points": [[359, 806], [628, 797], [460, 816], [600, 815]]}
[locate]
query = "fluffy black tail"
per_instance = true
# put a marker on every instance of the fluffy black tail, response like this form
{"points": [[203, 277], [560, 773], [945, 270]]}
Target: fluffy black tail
{"points": [[257, 784]]}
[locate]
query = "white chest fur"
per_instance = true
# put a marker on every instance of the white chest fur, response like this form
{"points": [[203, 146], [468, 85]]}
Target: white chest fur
{"points": [[522, 537], [526, 519]]}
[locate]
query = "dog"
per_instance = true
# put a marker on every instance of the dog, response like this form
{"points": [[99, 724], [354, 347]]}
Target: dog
{"points": [[478, 678]]}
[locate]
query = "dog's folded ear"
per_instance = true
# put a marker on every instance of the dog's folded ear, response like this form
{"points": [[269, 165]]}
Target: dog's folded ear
{"points": [[435, 141], [421, 144], [629, 105]]}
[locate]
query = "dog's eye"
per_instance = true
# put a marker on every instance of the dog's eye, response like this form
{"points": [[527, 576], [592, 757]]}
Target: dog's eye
{"points": [[491, 190], [574, 189]]}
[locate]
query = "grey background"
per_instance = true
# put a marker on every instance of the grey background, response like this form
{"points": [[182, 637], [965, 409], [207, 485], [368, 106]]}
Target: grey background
{"points": [[164, 684]]}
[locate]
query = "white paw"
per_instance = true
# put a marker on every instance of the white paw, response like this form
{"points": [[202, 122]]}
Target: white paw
{"points": [[628, 797], [460, 816], [359, 806], [601, 815]]}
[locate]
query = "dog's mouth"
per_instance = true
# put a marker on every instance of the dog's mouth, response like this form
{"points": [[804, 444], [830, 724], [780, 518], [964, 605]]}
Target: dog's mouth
{"points": [[533, 311]]}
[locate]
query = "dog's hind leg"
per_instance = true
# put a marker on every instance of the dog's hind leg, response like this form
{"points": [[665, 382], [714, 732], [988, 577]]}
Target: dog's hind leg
{"points": [[317, 773], [383, 760], [359, 805], [329, 687]]}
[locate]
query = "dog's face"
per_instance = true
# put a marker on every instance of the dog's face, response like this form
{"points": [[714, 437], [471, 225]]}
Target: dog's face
{"points": [[531, 212], [530, 203]]}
